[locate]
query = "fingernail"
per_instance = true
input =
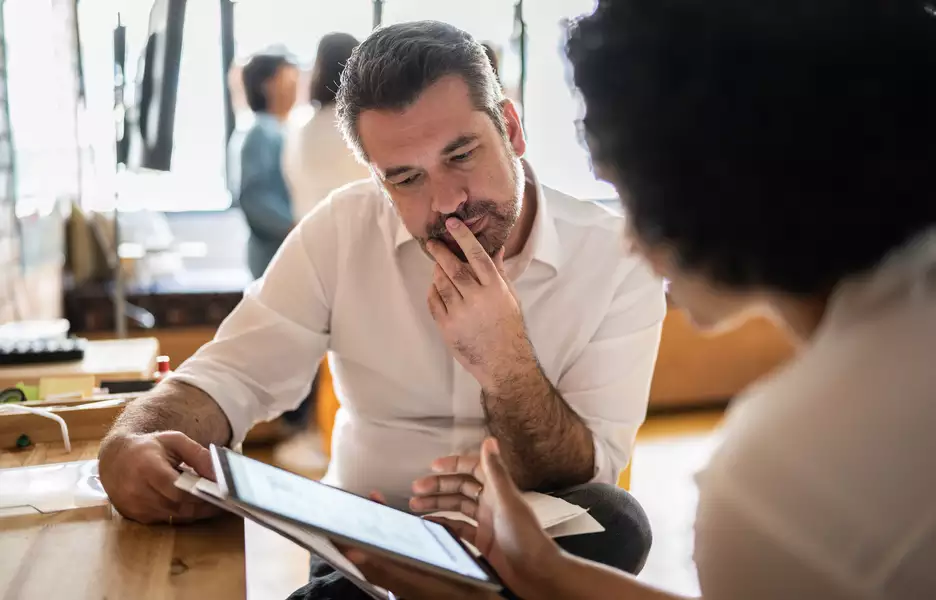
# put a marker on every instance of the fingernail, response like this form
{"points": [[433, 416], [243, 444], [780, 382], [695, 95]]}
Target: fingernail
{"points": [[356, 557], [453, 223]]}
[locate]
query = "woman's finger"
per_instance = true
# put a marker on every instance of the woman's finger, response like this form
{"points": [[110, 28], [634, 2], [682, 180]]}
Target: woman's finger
{"points": [[462, 529]]}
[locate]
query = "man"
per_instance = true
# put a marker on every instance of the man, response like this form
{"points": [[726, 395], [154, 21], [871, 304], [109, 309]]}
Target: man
{"points": [[457, 297]]}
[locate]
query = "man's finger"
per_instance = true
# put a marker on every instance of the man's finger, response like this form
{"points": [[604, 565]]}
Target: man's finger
{"points": [[468, 465], [436, 305], [499, 262], [182, 448], [377, 497], [465, 531], [477, 256], [162, 478], [182, 510], [444, 286], [455, 502], [461, 274], [466, 485]]}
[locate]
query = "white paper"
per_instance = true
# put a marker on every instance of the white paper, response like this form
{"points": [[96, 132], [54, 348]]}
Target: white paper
{"points": [[558, 517]]}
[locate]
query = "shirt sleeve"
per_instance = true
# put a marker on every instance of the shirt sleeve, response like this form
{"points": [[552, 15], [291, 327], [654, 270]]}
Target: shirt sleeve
{"points": [[267, 209], [609, 384], [265, 354]]}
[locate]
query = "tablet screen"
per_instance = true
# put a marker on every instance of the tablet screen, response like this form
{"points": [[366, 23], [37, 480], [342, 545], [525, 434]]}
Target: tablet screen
{"points": [[354, 518]]}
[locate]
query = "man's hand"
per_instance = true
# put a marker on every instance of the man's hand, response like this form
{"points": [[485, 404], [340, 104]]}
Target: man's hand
{"points": [[476, 310], [139, 473], [455, 485]]}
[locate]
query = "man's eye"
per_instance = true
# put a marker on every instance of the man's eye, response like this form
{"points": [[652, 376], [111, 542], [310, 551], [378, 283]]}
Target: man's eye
{"points": [[463, 156], [408, 181]]}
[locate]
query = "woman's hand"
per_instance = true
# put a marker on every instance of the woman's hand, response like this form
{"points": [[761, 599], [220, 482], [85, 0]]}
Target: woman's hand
{"points": [[508, 533], [404, 581]]}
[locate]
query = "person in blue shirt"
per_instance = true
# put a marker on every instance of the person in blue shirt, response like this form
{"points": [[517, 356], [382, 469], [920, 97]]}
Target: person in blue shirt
{"points": [[270, 82]]}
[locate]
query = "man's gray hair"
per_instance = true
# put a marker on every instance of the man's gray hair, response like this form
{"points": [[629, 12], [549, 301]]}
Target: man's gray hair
{"points": [[395, 64]]}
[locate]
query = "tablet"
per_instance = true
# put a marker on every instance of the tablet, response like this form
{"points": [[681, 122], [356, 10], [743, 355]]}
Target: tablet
{"points": [[348, 519]]}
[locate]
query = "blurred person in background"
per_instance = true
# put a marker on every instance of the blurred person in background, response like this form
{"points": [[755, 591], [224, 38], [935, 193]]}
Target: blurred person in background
{"points": [[316, 158], [270, 81]]}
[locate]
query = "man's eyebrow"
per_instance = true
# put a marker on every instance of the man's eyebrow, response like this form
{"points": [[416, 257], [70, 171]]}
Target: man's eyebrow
{"points": [[462, 140], [394, 171]]}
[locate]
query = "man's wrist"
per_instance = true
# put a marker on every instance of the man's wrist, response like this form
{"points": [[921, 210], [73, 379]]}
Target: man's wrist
{"points": [[518, 368]]}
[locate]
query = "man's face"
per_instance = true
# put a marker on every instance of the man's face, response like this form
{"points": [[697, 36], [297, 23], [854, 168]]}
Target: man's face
{"points": [[440, 157]]}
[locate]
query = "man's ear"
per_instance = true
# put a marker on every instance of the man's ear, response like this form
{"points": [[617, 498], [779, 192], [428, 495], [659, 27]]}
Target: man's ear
{"points": [[514, 127]]}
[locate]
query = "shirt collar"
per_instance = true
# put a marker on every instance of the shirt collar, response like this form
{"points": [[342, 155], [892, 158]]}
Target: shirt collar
{"points": [[544, 238]]}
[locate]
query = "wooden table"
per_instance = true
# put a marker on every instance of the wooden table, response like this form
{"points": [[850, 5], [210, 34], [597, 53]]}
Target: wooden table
{"points": [[115, 360], [93, 553]]}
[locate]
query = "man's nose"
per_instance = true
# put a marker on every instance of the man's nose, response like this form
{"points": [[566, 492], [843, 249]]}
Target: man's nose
{"points": [[448, 197]]}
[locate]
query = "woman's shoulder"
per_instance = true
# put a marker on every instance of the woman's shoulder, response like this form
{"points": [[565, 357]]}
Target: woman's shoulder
{"points": [[830, 457]]}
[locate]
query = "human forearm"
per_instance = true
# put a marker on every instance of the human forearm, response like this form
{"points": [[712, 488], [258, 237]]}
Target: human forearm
{"points": [[544, 442], [175, 406], [573, 577]]}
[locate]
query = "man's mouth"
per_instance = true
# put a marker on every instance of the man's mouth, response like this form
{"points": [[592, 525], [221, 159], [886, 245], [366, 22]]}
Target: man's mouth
{"points": [[476, 224]]}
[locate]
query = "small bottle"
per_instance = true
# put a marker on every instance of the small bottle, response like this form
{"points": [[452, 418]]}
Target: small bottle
{"points": [[163, 369]]}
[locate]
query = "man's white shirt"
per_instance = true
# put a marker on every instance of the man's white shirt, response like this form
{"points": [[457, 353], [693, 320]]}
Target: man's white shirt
{"points": [[351, 280]]}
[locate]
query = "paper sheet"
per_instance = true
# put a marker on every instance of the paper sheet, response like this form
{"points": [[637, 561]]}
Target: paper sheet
{"points": [[558, 517], [81, 386]]}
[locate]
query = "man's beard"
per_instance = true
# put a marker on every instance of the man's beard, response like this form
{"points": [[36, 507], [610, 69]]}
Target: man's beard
{"points": [[501, 219]]}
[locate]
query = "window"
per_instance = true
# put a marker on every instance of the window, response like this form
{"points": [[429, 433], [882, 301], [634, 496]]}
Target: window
{"points": [[296, 26], [489, 21], [41, 87], [553, 108], [196, 180]]}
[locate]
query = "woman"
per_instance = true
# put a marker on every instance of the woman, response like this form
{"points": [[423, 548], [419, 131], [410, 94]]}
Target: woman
{"points": [[778, 156], [317, 160], [270, 86]]}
